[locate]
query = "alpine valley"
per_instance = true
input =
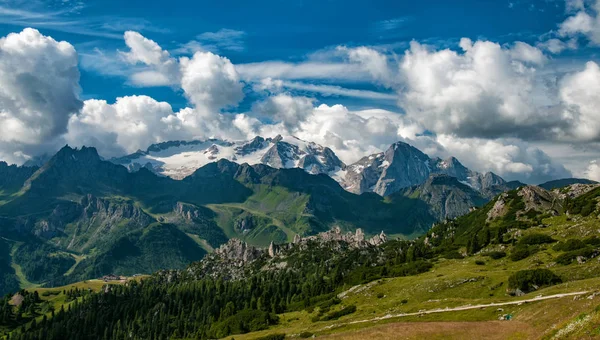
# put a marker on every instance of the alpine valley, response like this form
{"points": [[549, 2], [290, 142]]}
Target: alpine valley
{"points": [[271, 235]]}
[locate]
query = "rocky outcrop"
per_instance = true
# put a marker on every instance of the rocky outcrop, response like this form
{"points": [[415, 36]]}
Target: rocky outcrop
{"points": [[574, 190], [539, 199], [499, 208], [236, 259], [238, 252], [334, 236]]}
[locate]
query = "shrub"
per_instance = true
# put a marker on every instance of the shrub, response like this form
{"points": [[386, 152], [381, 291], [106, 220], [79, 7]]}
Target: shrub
{"points": [[480, 263], [527, 280], [50, 292], [519, 252], [338, 314], [452, 255], [404, 301], [569, 245], [272, 337], [305, 335], [496, 255], [380, 295], [568, 257], [536, 238], [593, 241]]}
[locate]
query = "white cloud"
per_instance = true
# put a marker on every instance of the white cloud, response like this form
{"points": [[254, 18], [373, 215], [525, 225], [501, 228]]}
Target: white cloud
{"points": [[291, 111], [510, 158], [374, 62], [526, 53], [579, 93], [131, 123], [585, 21], [224, 39], [556, 46], [210, 81], [461, 104], [304, 70], [487, 91], [593, 171], [276, 85], [162, 68], [39, 89]]}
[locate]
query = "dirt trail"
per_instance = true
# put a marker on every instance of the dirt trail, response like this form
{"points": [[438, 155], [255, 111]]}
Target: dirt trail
{"points": [[460, 308]]}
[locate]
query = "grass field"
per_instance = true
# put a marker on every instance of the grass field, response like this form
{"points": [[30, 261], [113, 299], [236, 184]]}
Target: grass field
{"points": [[456, 283]]}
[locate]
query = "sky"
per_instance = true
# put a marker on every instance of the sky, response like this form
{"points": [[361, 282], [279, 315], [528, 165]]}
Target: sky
{"points": [[505, 86]]}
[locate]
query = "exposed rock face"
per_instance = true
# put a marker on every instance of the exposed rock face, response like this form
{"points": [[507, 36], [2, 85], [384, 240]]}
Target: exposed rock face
{"points": [[230, 261], [13, 177], [235, 259], [574, 190], [117, 211], [446, 196], [538, 199], [532, 198], [499, 208], [238, 252], [403, 166], [335, 235], [363, 175], [186, 211], [244, 223]]}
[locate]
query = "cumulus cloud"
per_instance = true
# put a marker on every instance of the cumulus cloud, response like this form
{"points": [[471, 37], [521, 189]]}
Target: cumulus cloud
{"points": [[511, 158], [585, 21], [161, 69], [556, 46], [372, 61], [291, 111], [487, 91], [462, 104], [579, 93], [354, 134], [210, 81], [131, 123], [39, 89], [593, 171]]}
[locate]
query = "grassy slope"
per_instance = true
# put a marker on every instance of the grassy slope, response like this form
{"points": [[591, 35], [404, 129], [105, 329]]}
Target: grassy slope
{"points": [[453, 283]]}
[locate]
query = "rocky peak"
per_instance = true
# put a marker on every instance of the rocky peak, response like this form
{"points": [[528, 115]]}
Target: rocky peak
{"points": [[238, 251], [254, 145], [281, 155], [406, 166], [68, 155], [453, 167]]}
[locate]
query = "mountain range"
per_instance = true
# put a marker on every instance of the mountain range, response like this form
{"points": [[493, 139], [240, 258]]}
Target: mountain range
{"points": [[79, 216], [385, 173]]}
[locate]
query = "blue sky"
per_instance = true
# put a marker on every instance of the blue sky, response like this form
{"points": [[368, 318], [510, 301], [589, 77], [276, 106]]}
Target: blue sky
{"points": [[278, 30], [506, 86]]}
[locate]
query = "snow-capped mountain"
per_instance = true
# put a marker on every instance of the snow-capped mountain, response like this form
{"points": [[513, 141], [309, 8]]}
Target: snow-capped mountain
{"points": [[178, 159], [402, 166]]}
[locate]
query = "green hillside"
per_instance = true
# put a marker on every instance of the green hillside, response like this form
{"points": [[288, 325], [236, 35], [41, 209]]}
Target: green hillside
{"points": [[79, 217], [529, 257]]}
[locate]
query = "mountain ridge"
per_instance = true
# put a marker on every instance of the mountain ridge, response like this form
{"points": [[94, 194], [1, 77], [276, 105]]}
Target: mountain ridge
{"points": [[385, 173]]}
